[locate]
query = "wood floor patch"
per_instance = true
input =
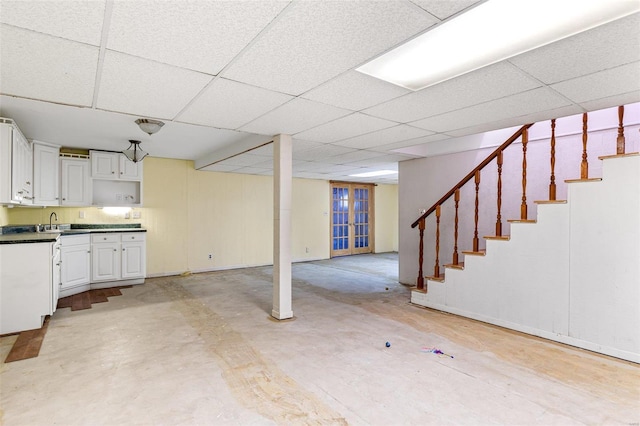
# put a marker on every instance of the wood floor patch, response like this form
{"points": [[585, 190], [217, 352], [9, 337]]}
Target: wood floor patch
{"points": [[28, 344]]}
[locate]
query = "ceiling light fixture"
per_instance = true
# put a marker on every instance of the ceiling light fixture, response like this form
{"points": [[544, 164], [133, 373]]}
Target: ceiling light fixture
{"points": [[149, 126], [134, 152], [376, 173], [491, 32]]}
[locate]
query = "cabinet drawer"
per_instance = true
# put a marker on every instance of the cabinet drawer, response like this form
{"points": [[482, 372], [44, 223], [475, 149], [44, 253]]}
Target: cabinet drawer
{"points": [[133, 236], [74, 240], [105, 238]]}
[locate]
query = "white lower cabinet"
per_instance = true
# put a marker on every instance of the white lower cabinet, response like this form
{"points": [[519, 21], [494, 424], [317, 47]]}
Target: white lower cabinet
{"points": [[75, 265], [56, 276], [26, 291], [118, 256]]}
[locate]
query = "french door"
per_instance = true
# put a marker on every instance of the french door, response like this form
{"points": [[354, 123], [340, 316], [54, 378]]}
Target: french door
{"points": [[351, 219]]}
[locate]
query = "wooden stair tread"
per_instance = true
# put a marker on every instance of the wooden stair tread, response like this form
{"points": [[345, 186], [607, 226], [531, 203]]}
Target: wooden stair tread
{"points": [[583, 180], [482, 252], [460, 265], [522, 221], [495, 237], [551, 202], [439, 278], [628, 154]]}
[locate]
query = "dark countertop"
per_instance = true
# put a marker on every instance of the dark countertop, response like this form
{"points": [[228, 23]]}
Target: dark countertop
{"points": [[23, 234]]}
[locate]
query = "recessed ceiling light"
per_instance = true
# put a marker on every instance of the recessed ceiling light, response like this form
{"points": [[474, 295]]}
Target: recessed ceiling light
{"points": [[376, 173], [491, 32]]}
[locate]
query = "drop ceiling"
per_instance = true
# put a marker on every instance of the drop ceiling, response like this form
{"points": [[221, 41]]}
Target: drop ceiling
{"points": [[225, 76]]}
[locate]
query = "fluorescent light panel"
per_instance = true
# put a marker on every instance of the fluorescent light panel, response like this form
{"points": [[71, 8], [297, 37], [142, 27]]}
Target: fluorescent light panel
{"points": [[489, 33], [376, 173]]}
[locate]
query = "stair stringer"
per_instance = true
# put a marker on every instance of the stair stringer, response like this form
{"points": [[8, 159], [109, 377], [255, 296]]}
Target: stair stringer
{"points": [[537, 282]]}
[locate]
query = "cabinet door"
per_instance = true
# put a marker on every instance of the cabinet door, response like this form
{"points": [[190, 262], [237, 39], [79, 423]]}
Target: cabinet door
{"points": [[130, 170], [105, 262], [104, 165], [75, 266], [17, 167], [133, 260], [46, 172], [55, 277], [27, 171], [75, 182]]}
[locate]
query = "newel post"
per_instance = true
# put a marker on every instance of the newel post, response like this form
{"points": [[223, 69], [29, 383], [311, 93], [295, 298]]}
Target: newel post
{"points": [[620, 141], [420, 280]]}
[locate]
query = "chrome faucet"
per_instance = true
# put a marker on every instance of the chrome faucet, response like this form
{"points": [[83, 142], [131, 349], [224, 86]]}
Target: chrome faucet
{"points": [[50, 216]]}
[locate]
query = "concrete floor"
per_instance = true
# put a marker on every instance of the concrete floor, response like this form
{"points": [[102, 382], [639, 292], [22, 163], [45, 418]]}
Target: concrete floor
{"points": [[203, 350]]}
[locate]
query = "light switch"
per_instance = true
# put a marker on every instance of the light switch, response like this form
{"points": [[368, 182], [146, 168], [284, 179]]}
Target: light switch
{"points": [[81, 214]]}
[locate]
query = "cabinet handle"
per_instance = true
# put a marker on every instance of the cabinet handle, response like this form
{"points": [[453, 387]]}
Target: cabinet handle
{"points": [[115, 249], [112, 172], [123, 249], [64, 199], [28, 183], [105, 238], [88, 251]]}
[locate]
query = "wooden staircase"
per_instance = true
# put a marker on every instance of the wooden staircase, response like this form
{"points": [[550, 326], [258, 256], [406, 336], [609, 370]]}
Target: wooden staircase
{"points": [[532, 280]]}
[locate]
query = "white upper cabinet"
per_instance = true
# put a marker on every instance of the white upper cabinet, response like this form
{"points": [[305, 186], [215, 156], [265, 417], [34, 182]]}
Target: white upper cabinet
{"points": [[76, 184], [16, 159], [114, 166], [46, 174]]}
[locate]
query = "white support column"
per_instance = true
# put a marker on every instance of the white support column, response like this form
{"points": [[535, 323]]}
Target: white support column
{"points": [[282, 180]]}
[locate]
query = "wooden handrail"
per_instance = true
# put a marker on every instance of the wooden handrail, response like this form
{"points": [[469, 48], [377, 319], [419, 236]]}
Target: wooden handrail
{"points": [[471, 174]]}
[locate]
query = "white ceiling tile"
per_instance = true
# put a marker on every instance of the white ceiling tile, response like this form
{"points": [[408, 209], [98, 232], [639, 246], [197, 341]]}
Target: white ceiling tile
{"points": [[393, 134], [74, 20], [96, 129], [444, 8], [229, 105], [345, 127], [603, 47], [411, 142], [294, 117], [314, 41], [488, 83], [512, 106], [609, 101], [299, 145], [355, 91], [310, 175], [48, 68], [198, 35], [138, 86], [321, 153], [614, 81], [350, 157]]}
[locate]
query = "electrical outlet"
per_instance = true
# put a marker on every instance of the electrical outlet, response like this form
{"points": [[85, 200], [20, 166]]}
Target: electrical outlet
{"points": [[126, 215], [136, 215], [118, 197], [306, 249], [210, 256], [81, 214]]}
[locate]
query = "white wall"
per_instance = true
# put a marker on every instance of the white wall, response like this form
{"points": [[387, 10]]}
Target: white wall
{"points": [[573, 277], [424, 181]]}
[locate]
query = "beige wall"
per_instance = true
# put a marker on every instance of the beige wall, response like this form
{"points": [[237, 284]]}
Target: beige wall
{"points": [[3, 216], [386, 217], [190, 214]]}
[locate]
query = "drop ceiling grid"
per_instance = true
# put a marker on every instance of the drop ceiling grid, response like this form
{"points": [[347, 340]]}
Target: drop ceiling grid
{"points": [[601, 48], [391, 134], [322, 153], [294, 117], [201, 35], [345, 127], [230, 105], [71, 65], [355, 91], [623, 79], [313, 42], [493, 82], [130, 84], [75, 21], [622, 99], [512, 106], [444, 9]]}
